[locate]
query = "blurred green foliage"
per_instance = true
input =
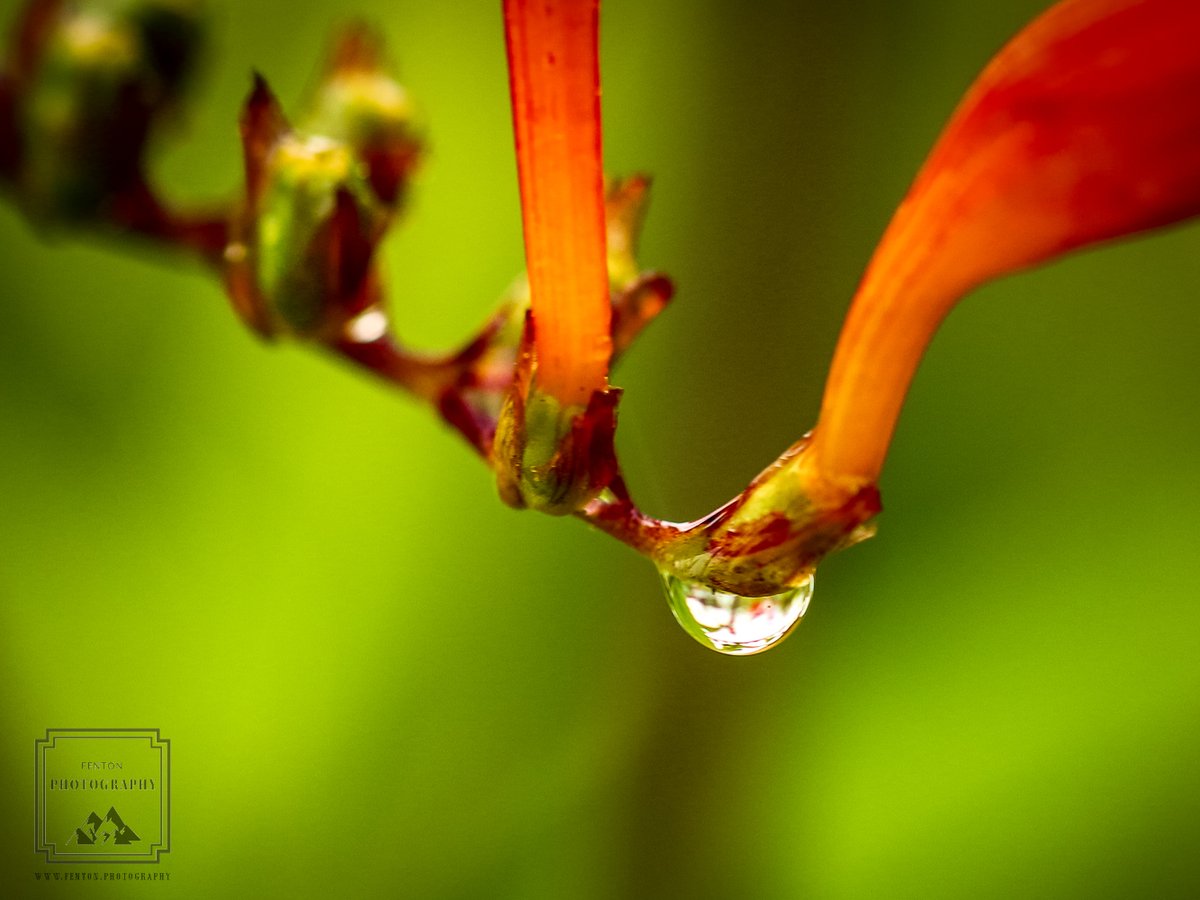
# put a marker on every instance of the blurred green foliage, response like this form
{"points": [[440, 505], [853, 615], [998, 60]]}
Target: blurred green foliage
{"points": [[379, 681]]}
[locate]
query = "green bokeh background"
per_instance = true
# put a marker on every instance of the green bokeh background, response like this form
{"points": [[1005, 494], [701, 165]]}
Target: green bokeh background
{"points": [[379, 681]]}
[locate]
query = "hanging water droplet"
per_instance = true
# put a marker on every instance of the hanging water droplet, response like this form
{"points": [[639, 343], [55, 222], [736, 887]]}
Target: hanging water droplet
{"points": [[733, 624]]}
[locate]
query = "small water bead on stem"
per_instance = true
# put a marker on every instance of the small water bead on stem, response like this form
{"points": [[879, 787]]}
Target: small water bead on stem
{"points": [[730, 623]]}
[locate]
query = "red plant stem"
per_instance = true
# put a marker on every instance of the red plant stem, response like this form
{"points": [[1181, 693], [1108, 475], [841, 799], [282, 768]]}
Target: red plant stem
{"points": [[1084, 128], [554, 76]]}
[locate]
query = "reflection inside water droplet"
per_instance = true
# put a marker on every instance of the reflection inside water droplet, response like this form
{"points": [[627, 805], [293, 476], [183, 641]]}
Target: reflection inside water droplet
{"points": [[733, 624]]}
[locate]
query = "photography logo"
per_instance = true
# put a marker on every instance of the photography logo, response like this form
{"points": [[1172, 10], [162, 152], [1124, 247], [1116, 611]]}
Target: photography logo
{"points": [[84, 776]]}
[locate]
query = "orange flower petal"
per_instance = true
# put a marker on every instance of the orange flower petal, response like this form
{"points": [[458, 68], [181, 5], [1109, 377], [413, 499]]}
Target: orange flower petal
{"points": [[1084, 128], [554, 76]]}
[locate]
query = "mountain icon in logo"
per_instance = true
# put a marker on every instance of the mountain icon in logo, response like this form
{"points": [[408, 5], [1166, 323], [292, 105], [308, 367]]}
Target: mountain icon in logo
{"points": [[109, 830]]}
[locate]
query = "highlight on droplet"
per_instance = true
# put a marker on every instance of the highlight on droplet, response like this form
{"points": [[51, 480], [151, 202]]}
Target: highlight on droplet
{"points": [[730, 623]]}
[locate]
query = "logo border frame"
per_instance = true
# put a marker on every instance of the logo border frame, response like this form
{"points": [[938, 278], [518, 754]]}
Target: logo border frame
{"points": [[50, 850]]}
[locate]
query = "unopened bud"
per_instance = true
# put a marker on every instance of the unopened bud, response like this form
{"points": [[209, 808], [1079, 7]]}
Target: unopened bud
{"points": [[90, 81], [303, 243], [360, 103]]}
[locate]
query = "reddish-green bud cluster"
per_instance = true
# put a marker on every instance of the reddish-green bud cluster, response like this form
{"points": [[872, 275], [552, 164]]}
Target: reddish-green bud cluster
{"points": [[80, 99], [320, 196]]}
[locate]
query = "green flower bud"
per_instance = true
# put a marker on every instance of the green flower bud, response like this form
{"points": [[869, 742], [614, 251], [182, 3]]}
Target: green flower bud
{"points": [[360, 103], [300, 262], [90, 81]]}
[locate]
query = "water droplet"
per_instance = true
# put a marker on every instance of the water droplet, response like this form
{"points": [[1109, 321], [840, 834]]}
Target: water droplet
{"points": [[235, 253], [733, 624], [368, 326]]}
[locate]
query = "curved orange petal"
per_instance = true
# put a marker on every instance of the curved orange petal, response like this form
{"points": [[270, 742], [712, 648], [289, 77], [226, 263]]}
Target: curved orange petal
{"points": [[1084, 128]]}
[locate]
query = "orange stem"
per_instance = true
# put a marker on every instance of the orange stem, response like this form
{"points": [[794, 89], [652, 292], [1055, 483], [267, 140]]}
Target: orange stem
{"points": [[554, 76], [1084, 128]]}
